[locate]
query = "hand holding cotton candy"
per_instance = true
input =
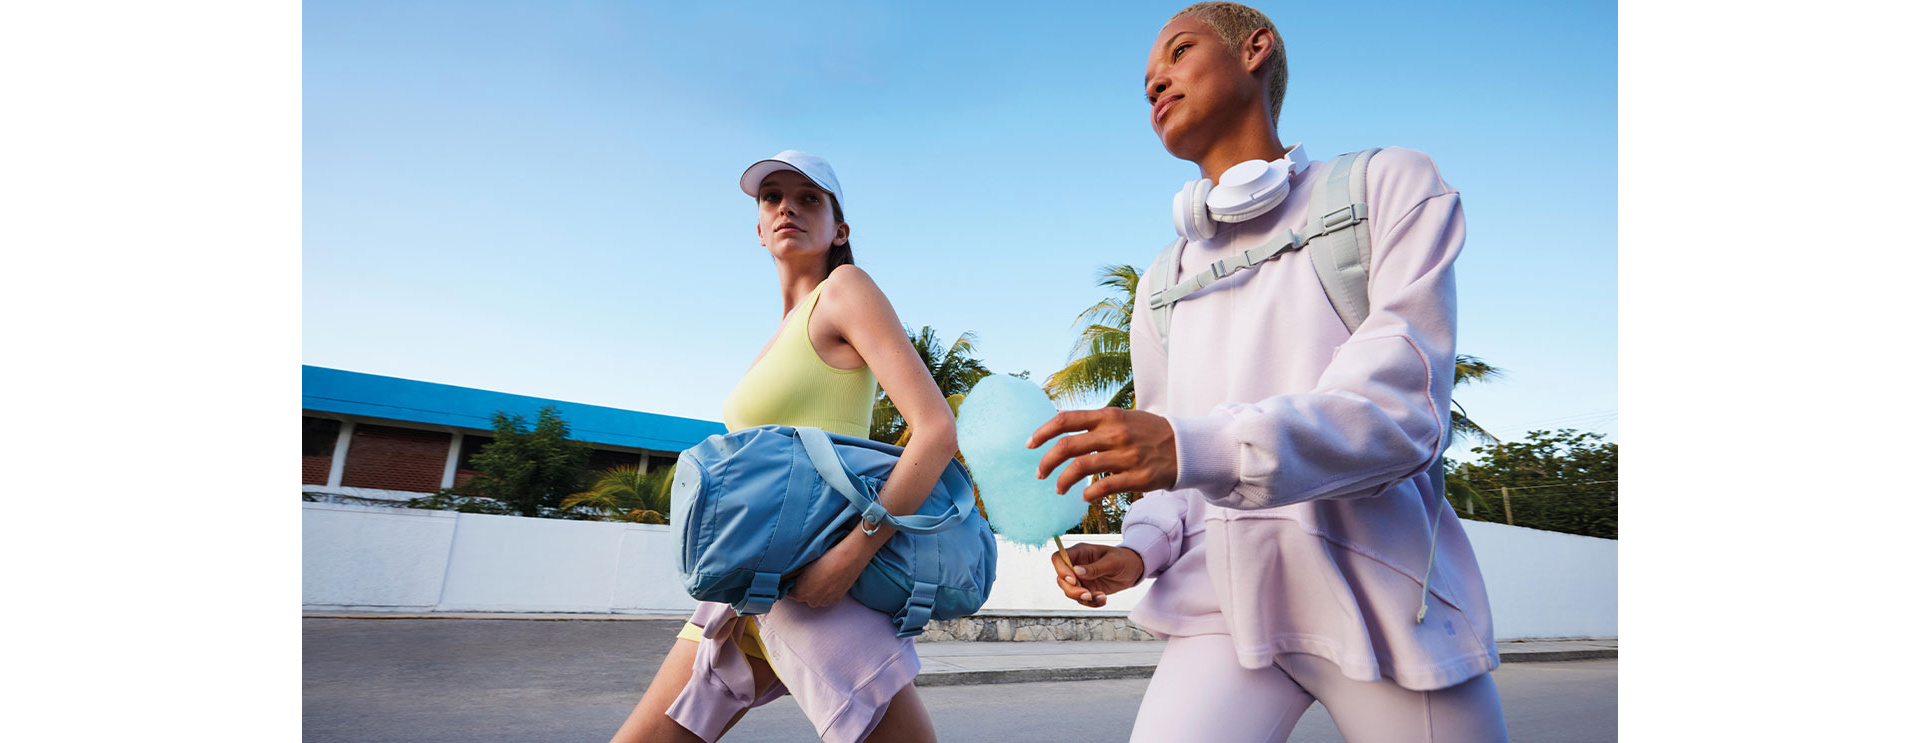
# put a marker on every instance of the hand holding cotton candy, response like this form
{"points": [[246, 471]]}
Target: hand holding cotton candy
{"points": [[996, 419]]}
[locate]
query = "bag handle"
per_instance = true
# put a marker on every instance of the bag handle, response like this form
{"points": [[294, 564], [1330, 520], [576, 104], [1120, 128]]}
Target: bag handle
{"points": [[833, 471]]}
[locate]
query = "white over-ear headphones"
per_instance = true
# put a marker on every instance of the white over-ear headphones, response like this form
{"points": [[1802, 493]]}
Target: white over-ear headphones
{"points": [[1247, 190]]}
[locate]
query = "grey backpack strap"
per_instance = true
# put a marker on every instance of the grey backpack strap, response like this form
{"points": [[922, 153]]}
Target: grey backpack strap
{"points": [[1336, 238], [1160, 275], [1342, 246], [1161, 297]]}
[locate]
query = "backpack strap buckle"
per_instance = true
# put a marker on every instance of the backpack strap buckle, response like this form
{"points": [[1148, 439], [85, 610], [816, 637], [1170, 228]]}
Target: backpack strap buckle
{"points": [[1343, 216]]}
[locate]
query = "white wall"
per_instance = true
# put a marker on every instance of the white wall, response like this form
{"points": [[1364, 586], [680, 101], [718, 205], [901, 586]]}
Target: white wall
{"points": [[1023, 579], [373, 556], [1548, 584], [1542, 584]]}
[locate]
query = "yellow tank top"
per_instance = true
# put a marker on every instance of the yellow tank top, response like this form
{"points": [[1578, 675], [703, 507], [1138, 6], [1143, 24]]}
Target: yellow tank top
{"points": [[792, 386]]}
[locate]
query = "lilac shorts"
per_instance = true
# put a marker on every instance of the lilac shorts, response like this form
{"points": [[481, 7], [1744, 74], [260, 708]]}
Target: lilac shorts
{"points": [[842, 664]]}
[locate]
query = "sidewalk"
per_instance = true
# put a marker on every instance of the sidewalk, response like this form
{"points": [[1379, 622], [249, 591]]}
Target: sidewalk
{"points": [[966, 663], [958, 663]]}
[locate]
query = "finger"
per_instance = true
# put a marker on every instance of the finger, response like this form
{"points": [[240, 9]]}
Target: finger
{"points": [[1061, 571], [1072, 592], [1062, 422], [1085, 466], [1118, 481], [1065, 449]]}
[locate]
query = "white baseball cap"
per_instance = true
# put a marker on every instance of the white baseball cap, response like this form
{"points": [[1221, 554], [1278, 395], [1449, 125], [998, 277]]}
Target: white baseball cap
{"points": [[811, 166]]}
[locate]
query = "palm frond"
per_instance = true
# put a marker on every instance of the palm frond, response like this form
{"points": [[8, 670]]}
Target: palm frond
{"points": [[1471, 369], [1090, 374], [1464, 426], [1468, 370], [622, 491], [1102, 356], [954, 371]]}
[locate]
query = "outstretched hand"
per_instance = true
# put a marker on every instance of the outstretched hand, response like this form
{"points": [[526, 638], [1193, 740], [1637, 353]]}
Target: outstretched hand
{"points": [[1097, 571], [1133, 447]]}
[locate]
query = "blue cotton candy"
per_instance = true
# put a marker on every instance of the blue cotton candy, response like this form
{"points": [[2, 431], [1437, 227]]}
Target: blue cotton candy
{"points": [[996, 419]]}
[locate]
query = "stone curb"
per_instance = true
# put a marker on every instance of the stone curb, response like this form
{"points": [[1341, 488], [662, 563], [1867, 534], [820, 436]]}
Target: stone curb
{"points": [[1145, 670], [1023, 675], [1547, 656], [678, 616]]}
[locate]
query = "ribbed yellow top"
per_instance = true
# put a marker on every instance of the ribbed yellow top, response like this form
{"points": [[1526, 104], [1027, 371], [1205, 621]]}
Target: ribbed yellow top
{"points": [[792, 386]]}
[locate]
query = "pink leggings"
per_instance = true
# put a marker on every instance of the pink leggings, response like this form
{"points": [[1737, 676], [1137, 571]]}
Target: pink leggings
{"points": [[1200, 692]]}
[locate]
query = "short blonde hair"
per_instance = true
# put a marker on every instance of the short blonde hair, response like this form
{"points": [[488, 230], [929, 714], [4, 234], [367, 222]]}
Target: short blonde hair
{"points": [[1234, 23]]}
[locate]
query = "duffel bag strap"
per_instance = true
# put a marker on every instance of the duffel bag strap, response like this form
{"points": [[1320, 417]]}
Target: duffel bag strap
{"points": [[783, 547], [912, 619], [760, 595], [833, 471]]}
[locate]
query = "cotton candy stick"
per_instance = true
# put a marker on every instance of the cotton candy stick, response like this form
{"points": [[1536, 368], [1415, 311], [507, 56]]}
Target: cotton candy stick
{"points": [[1069, 561]]}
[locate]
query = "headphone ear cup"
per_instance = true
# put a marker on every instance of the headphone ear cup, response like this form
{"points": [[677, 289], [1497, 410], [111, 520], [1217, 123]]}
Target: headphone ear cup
{"points": [[1190, 216], [1233, 213]]}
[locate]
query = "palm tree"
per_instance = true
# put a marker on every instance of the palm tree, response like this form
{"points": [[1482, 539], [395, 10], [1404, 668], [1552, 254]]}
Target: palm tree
{"points": [[954, 371], [625, 493], [1102, 357], [1103, 360], [1468, 370]]}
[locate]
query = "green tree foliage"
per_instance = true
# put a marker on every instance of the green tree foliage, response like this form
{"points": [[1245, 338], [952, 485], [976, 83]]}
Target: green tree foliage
{"points": [[1468, 370], [1102, 357], [625, 493], [524, 471], [1102, 360], [1562, 480], [954, 370]]}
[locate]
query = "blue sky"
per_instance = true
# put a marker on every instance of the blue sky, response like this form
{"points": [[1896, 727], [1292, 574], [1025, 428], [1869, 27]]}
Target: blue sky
{"points": [[541, 198]]}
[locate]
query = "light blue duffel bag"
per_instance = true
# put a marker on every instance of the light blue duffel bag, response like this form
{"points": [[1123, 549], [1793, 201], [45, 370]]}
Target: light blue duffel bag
{"points": [[751, 507]]}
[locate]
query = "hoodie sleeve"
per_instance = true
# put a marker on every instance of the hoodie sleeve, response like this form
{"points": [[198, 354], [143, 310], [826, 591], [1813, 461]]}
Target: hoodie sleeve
{"points": [[1378, 413], [1156, 525]]}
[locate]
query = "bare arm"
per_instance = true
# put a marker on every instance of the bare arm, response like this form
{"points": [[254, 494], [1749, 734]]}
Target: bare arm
{"points": [[866, 319], [868, 322]]}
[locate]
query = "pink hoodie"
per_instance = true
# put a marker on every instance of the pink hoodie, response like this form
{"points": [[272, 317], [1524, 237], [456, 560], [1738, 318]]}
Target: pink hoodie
{"points": [[1301, 450]]}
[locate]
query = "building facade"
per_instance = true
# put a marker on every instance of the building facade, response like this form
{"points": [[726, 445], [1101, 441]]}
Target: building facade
{"points": [[366, 437]]}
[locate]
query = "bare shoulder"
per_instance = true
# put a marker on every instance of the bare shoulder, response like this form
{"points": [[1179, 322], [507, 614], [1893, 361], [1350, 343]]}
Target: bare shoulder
{"points": [[854, 303], [851, 285]]}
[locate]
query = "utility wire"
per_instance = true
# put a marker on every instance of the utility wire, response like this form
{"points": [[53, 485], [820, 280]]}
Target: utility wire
{"points": [[1551, 485]]}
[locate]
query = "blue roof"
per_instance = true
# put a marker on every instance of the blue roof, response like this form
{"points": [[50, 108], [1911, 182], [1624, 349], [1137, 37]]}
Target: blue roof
{"points": [[372, 395]]}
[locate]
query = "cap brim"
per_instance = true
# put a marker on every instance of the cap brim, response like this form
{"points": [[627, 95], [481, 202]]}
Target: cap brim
{"points": [[757, 172]]}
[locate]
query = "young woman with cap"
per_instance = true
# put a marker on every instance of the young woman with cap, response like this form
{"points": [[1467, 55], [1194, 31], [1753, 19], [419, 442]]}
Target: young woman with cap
{"points": [[838, 339]]}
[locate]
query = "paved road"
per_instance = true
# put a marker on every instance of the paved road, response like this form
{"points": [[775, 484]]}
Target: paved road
{"points": [[487, 681]]}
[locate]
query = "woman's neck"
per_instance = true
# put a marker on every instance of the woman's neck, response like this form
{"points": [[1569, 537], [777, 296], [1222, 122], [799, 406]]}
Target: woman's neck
{"points": [[796, 282], [1252, 138]]}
